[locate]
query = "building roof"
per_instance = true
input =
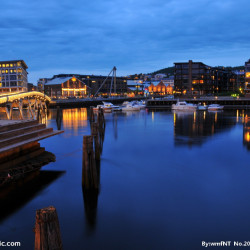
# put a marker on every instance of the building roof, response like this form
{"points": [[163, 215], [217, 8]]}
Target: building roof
{"points": [[13, 61], [58, 80]]}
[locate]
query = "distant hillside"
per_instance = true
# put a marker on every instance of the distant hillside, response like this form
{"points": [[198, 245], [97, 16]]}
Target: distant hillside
{"points": [[167, 71]]}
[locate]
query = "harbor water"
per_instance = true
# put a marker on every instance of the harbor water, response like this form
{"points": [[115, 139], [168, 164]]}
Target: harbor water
{"points": [[168, 180]]}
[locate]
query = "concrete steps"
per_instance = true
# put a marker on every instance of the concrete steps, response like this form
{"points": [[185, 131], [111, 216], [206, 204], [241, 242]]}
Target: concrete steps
{"points": [[19, 141]]}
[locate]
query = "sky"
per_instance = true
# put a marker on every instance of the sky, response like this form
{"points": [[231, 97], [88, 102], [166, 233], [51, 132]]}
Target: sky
{"points": [[136, 36]]}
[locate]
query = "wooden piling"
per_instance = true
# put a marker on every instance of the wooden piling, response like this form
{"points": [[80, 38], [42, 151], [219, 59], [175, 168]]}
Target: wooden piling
{"points": [[95, 134], [47, 230], [89, 173], [91, 114], [58, 117]]}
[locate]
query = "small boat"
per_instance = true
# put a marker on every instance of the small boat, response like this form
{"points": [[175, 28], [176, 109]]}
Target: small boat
{"points": [[201, 107], [105, 109], [114, 107], [141, 104], [182, 105], [214, 107], [130, 106]]}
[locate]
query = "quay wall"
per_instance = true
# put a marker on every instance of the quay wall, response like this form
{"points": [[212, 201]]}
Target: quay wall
{"points": [[228, 103], [82, 103]]}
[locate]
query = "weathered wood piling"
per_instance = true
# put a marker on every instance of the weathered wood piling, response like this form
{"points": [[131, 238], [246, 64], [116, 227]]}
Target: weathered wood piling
{"points": [[47, 230], [58, 117], [89, 173]]}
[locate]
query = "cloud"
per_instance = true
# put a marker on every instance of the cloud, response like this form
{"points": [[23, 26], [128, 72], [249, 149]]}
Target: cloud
{"points": [[93, 36]]}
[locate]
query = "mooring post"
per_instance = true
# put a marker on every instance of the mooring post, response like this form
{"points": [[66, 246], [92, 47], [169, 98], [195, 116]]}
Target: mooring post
{"points": [[89, 173], [95, 134], [47, 230], [91, 114]]}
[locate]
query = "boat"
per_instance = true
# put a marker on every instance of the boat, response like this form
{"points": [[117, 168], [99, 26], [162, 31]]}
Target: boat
{"points": [[182, 105], [130, 106], [141, 104], [214, 107], [201, 107], [105, 109], [114, 107]]}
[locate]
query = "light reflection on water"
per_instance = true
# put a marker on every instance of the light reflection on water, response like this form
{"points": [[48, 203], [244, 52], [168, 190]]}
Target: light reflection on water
{"points": [[168, 180]]}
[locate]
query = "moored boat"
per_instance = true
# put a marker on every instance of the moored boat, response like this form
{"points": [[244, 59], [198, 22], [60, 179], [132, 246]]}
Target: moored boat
{"points": [[202, 107], [130, 106], [214, 107], [182, 105]]}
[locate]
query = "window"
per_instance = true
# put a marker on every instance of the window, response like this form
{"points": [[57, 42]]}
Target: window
{"points": [[7, 65]]}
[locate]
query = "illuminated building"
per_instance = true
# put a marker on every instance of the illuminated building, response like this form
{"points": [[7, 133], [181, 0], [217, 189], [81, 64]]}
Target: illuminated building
{"points": [[65, 87], [247, 78], [94, 82], [13, 76], [160, 88], [197, 78]]}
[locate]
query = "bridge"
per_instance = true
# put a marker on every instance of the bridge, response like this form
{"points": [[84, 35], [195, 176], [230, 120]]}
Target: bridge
{"points": [[35, 102]]}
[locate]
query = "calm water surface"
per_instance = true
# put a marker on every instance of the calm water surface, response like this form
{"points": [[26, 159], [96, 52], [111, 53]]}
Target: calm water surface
{"points": [[167, 181]]}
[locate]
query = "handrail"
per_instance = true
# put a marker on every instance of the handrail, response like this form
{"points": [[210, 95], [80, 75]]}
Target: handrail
{"points": [[21, 95]]}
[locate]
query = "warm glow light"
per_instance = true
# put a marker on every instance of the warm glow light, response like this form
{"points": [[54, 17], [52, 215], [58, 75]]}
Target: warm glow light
{"points": [[247, 74]]}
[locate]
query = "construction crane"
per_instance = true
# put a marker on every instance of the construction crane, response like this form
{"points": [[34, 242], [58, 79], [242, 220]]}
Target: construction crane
{"points": [[113, 81]]}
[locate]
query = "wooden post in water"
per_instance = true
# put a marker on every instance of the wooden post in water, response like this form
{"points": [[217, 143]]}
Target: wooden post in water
{"points": [[58, 117], [47, 230], [91, 114], [95, 134], [89, 173]]}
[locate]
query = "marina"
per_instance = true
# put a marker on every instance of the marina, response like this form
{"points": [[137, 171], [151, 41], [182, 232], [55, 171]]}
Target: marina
{"points": [[147, 195]]}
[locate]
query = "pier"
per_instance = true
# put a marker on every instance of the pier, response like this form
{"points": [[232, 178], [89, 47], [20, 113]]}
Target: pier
{"points": [[227, 102]]}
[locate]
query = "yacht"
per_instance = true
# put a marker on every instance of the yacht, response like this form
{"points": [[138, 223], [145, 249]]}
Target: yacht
{"points": [[130, 106], [182, 105], [114, 107], [214, 107]]}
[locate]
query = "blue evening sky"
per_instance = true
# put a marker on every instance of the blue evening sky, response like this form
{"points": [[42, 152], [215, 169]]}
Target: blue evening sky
{"points": [[136, 36]]}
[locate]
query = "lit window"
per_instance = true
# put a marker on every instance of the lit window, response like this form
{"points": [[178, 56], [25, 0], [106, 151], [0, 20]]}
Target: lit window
{"points": [[18, 63], [3, 65], [6, 71], [3, 71], [0, 65], [247, 74], [7, 65], [11, 65]]}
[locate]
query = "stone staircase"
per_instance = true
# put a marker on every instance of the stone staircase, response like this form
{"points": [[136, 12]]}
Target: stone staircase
{"points": [[19, 142]]}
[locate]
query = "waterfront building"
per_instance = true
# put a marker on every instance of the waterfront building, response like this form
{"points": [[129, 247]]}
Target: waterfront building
{"points": [[192, 78], [94, 82], [247, 77], [197, 78], [41, 82], [13, 76], [160, 88], [66, 87]]}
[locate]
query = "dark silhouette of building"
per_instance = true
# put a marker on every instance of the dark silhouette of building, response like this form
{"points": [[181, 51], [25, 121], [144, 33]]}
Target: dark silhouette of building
{"points": [[197, 78]]}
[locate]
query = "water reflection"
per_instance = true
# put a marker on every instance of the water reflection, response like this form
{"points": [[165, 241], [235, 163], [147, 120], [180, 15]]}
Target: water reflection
{"points": [[70, 118], [13, 197], [193, 128], [246, 132]]}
